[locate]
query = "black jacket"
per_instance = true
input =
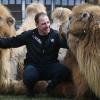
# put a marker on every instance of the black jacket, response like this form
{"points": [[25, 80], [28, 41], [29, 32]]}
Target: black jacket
{"points": [[38, 51]]}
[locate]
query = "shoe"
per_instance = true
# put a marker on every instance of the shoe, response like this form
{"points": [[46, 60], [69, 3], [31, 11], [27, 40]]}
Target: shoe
{"points": [[50, 89], [30, 93]]}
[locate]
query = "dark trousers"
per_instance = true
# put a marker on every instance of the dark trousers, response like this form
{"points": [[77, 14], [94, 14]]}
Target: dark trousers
{"points": [[55, 72]]}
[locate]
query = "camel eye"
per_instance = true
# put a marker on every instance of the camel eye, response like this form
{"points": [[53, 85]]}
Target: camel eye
{"points": [[84, 16], [10, 20]]}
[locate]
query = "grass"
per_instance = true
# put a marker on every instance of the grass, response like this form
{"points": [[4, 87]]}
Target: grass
{"points": [[23, 97], [37, 97]]}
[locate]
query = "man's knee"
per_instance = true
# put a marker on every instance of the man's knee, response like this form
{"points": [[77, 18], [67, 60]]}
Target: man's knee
{"points": [[63, 72], [30, 75]]}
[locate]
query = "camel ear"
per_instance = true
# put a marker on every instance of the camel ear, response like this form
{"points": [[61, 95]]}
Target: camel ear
{"points": [[84, 16], [10, 21]]}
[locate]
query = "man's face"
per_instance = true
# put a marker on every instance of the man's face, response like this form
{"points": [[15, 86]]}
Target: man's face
{"points": [[43, 25]]}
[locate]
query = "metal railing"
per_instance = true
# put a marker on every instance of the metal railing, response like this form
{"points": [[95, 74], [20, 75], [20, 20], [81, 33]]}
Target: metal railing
{"points": [[17, 7]]}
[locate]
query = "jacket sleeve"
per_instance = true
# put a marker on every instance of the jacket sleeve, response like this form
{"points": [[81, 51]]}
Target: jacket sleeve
{"points": [[13, 42], [63, 43]]}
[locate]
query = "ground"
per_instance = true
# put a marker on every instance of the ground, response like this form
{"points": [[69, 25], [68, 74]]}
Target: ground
{"points": [[37, 97]]}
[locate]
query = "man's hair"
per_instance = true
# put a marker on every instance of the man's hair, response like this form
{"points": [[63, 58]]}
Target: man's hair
{"points": [[38, 15]]}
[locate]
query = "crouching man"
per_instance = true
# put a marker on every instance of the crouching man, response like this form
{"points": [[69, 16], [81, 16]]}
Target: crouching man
{"points": [[43, 44]]}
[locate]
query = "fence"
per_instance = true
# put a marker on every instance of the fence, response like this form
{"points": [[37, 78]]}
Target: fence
{"points": [[17, 7]]}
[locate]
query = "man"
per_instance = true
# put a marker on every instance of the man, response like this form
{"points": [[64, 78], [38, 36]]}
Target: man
{"points": [[43, 44]]}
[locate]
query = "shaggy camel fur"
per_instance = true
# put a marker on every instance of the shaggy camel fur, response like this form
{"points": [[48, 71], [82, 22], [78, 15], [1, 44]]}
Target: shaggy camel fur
{"points": [[83, 28]]}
